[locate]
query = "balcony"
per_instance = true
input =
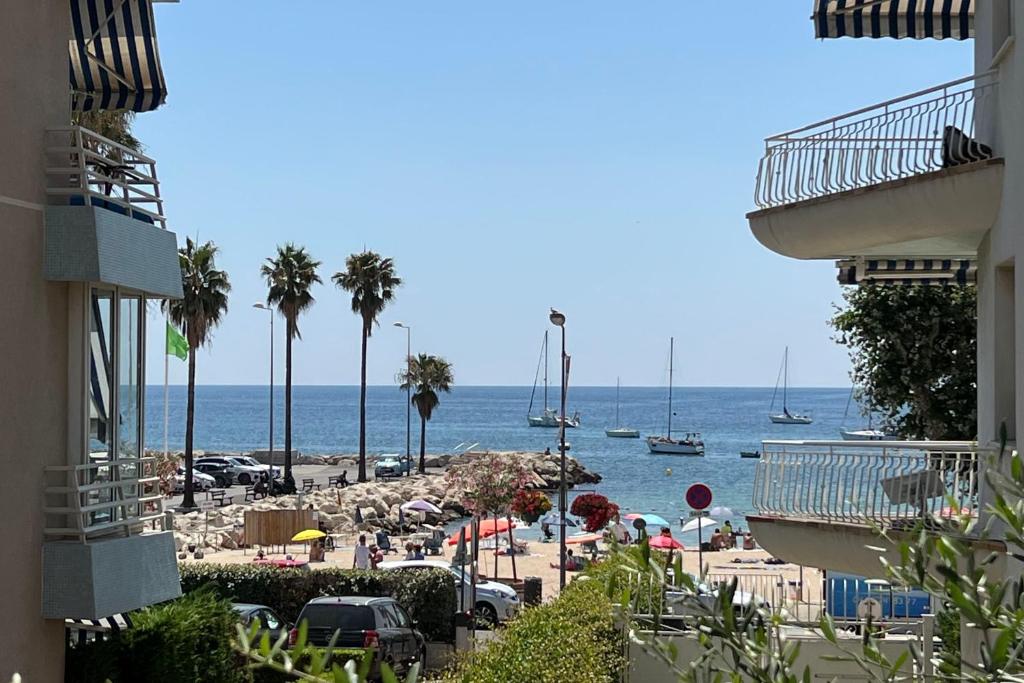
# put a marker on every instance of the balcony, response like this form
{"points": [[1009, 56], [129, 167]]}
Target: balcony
{"points": [[823, 503], [105, 219], [904, 178], [105, 550]]}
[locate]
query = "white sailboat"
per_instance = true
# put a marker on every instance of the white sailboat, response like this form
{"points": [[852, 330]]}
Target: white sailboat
{"points": [[620, 432], [691, 444], [786, 417], [868, 434], [549, 417]]}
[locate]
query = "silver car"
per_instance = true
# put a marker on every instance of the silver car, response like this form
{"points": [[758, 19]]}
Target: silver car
{"points": [[495, 602]]}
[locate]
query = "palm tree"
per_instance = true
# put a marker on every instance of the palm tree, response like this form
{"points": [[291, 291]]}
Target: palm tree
{"points": [[427, 375], [290, 276], [372, 282], [204, 300]]}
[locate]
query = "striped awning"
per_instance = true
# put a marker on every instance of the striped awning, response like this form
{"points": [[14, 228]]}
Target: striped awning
{"points": [[894, 19], [924, 271], [115, 63]]}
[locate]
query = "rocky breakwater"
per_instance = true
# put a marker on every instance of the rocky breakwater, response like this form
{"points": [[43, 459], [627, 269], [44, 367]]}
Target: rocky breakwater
{"points": [[378, 502]]}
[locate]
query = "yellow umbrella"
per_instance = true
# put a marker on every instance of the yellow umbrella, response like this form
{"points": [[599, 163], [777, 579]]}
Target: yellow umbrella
{"points": [[308, 535]]}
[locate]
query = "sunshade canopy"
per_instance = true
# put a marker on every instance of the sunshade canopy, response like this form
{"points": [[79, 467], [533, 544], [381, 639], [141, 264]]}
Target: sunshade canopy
{"points": [[894, 19]]}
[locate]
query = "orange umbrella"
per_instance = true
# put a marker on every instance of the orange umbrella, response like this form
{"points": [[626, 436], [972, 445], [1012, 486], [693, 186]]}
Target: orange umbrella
{"points": [[584, 538], [488, 528], [664, 542]]}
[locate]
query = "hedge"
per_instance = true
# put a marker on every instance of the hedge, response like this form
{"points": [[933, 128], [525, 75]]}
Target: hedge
{"points": [[572, 638], [183, 641], [427, 594]]}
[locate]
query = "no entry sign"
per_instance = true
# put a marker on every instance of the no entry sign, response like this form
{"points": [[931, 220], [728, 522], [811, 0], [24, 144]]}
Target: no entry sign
{"points": [[698, 496]]}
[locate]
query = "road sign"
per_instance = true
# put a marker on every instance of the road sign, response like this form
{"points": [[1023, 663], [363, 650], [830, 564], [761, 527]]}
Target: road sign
{"points": [[698, 496]]}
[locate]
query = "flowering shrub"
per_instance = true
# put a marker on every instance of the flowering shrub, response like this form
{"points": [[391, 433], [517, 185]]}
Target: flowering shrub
{"points": [[530, 504], [595, 509], [489, 482]]}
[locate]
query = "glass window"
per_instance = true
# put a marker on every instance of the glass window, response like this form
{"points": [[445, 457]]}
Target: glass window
{"points": [[128, 365], [270, 619], [101, 426]]}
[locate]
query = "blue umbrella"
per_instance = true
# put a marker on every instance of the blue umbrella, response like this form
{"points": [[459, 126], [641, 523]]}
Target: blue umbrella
{"points": [[555, 519], [651, 519]]}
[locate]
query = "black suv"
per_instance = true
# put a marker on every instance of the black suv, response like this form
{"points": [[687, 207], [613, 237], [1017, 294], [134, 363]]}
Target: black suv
{"points": [[361, 622]]}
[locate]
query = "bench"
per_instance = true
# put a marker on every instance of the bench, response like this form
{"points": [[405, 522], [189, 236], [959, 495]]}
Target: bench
{"points": [[337, 481], [250, 493], [218, 498], [308, 485]]}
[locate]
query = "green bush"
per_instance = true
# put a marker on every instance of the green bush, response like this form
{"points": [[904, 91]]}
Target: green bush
{"points": [[183, 641], [428, 595], [572, 638]]}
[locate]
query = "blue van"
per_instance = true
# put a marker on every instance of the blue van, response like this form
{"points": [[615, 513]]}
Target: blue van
{"points": [[844, 594]]}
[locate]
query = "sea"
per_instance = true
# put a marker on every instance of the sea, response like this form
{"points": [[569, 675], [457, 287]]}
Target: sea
{"points": [[326, 421]]}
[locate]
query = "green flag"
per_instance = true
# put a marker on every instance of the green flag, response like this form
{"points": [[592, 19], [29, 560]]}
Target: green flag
{"points": [[177, 345]]}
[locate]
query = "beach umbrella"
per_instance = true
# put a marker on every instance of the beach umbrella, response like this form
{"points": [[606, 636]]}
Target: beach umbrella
{"points": [[308, 535], [664, 542], [488, 527], [650, 519], [699, 523], [583, 538], [555, 519], [420, 505], [359, 515], [721, 512]]}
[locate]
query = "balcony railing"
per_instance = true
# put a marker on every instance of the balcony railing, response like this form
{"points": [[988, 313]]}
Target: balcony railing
{"points": [[888, 483], [85, 168], [918, 133], [101, 498]]}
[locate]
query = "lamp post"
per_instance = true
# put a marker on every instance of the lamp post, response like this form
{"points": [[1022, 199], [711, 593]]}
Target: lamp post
{"points": [[270, 450], [558, 319], [408, 394]]}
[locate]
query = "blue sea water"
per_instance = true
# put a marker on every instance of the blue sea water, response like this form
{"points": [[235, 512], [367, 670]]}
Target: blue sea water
{"points": [[326, 420]]}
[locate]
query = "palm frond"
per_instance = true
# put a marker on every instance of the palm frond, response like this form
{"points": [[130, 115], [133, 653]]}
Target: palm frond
{"points": [[372, 281], [204, 293], [290, 276], [427, 375]]}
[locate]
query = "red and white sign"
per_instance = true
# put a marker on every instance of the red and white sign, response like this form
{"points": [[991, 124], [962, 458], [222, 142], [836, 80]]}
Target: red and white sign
{"points": [[698, 496]]}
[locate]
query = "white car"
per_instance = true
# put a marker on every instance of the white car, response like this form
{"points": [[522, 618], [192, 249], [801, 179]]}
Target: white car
{"points": [[238, 467], [495, 602], [200, 481], [676, 600]]}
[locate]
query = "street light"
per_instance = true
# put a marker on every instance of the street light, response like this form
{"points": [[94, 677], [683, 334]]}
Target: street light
{"points": [[270, 452], [408, 394], [558, 320]]}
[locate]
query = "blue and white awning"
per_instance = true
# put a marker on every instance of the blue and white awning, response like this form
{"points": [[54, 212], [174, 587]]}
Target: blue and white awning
{"points": [[924, 271], [894, 19], [115, 63]]}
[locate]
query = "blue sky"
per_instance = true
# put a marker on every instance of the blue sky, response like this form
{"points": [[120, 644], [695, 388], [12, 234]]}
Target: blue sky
{"points": [[594, 156]]}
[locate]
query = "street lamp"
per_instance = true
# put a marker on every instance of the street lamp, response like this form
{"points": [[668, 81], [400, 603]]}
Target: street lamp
{"points": [[408, 394], [270, 452], [558, 320]]}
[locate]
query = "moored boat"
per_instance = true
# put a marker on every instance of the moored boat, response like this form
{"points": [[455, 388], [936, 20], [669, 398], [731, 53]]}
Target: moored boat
{"points": [[691, 444], [620, 432], [786, 417]]}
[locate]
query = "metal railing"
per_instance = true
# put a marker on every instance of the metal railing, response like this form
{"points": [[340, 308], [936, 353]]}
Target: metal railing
{"points": [[925, 131], [889, 483], [101, 498], [83, 167]]}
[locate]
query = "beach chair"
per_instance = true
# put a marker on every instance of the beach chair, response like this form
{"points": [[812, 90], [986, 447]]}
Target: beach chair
{"points": [[435, 544], [384, 543]]}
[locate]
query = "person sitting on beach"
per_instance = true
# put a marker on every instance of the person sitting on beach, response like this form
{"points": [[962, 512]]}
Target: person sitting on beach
{"points": [[260, 555], [665, 531], [410, 554], [547, 451], [417, 552], [748, 541], [316, 551], [619, 531], [361, 557], [571, 561], [546, 530], [717, 540], [730, 540]]}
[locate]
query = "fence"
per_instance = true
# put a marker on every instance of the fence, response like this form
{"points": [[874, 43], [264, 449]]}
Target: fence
{"points": [[276, 527]]}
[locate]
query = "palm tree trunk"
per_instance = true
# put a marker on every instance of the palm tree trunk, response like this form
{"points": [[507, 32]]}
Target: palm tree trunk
{"points": [[189, 500], [362, 409], [289, 481], [423, 445]]}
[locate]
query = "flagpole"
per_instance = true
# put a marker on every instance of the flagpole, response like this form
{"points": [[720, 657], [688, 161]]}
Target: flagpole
{"points": [[167, 451]]}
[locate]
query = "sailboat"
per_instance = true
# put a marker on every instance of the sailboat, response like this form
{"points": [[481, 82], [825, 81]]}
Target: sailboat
{"points": [[620, 432], [869, 434], [549, 417], [692, 443], [786, 417]]}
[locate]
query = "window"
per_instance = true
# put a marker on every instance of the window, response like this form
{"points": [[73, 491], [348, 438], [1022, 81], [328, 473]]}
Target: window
{"points": [[269, 620]]}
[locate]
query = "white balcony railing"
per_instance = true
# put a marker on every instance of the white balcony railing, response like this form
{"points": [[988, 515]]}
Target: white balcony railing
{"points": [[888, 483], [918, 133], [85, 168], [101, 498]]}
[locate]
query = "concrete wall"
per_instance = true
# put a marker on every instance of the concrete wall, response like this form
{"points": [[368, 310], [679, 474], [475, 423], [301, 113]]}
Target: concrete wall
{"points": [[33, 326]]}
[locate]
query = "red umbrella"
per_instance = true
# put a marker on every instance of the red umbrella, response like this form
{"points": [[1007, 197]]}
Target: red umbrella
{"points": [[488, 528], [664, 542]]}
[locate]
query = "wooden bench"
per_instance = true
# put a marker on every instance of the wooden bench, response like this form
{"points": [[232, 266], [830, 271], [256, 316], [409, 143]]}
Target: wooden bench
{"points": [[335, 480], [250, 493], [217, 496], [308, 485]]}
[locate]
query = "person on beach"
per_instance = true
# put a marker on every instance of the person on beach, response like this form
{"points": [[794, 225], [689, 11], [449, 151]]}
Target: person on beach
{"points": [[376, 556], [665, 531], [717, 540], [619, 531], [546, 530], [730, 540], [361, 557], [343, 482], [410, 553], [417, 552], [748, 541]]}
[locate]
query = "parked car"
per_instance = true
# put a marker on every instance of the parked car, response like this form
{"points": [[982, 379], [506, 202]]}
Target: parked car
{"points": [[267, 619], [200, 481], [363, 623], [241, 472], [392, 465], [675, 601], [495, 602], [274, 470], [220, 473]]}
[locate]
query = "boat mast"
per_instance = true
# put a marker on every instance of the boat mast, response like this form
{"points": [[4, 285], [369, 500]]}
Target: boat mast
{"points": [[545, 371], [617, 423], [671, 359], [785, 379]]}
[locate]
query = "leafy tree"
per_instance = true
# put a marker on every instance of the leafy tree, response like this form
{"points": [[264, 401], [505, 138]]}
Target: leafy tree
{"points": [[114, 125], [290, 276], [204, 301], [427, 375], [371, 280], [914, 356]]}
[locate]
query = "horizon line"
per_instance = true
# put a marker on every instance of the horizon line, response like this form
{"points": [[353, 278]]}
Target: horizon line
{"points": [[519, 386]]}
